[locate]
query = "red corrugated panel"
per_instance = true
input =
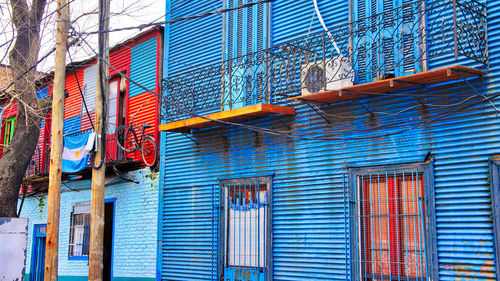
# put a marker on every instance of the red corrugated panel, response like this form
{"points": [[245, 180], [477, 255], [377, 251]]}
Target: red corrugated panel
{"points": [[111, 148], [120, 59], [73, 103], [145, 108], [9, 111], [86, 125]]}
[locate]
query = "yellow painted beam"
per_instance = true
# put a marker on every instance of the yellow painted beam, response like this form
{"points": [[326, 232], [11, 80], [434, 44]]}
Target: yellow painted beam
{"points": [[229, 115]]}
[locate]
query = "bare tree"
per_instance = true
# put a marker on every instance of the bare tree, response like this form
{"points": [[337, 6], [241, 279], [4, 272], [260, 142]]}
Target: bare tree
{"points": [[23, 59], [29, 24]]}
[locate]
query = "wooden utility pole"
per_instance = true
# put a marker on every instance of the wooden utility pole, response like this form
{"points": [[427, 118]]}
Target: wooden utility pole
{"points": [[98, 173], [56, 148]]}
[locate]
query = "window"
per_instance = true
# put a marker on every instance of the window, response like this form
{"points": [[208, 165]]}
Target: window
{"points": [[247, 227], [386, 35], [112, 107], [495, 200], [246, 32], [246, 29], [9, 132], [79, 235], [392, 222]]}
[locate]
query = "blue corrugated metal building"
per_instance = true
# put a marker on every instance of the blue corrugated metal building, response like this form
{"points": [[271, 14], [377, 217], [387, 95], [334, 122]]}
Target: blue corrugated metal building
{"points": [[365, 152]]}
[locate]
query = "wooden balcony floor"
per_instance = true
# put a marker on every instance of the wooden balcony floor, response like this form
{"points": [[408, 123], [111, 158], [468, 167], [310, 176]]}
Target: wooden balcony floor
{"points": [[234, 115], [434, 76]]}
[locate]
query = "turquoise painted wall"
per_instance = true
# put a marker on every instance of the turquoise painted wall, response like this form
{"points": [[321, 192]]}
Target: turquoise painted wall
{"points": [[143, 67], [135, 233]]}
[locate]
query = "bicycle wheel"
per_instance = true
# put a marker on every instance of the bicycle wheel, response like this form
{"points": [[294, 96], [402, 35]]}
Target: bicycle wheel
{"points": [[126, 139], [148, 150]]}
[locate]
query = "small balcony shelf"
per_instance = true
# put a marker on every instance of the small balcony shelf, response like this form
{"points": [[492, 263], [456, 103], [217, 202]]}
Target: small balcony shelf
{"points": [[440, 75], [234, 115]]}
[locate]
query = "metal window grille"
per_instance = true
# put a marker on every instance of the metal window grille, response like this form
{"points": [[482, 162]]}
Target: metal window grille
{"points": [[391, 225], [79, 235], [246, 228]]}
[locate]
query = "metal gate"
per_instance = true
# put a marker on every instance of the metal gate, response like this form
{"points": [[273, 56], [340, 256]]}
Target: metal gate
{"points": [[242, 229], [391, 228], [38, 253]]}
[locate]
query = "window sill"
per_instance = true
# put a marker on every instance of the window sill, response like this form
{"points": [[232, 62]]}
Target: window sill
{"points": [[83, 258]]}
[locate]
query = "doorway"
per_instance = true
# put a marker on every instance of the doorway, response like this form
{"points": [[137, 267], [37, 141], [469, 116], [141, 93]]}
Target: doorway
{"points": [[38, 253], [109, 214]]}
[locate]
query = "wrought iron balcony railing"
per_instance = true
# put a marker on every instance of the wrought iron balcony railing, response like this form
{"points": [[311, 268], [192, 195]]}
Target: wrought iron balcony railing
{"points": [[409, 39]]}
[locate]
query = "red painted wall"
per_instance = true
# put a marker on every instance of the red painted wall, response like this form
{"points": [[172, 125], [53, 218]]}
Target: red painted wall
{"points": [[73, 103], [144, 107]]}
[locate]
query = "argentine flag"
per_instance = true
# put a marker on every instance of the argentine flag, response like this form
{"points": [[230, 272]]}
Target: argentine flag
{"points": [[76, 152]]}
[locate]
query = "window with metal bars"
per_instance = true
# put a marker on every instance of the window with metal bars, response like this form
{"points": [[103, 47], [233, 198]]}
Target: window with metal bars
{"points": [[246, 228], [79, 235], [495, 200], [394, 239]]}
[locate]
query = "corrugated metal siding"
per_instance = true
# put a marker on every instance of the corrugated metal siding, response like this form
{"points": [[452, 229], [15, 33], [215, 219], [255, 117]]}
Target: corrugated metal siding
{"points": [[187, 242], [143, 67], [86, 124], [145, 108], [41, 155], [310, 241], [73, 103], [10, 110], [309, 236], [90, 85], [119, 59], [463, 202], [72, 125], [292, 19], [202, 44]]}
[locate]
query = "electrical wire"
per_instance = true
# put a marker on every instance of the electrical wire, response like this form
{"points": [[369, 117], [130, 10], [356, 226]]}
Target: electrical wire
{"points": [[33, 66], [320, 18], [285, 133], [179, 19], [36, 23]]}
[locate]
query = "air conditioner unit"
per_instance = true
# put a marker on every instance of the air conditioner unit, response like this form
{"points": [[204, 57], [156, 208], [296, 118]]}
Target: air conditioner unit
{"points": [[334, 73]]}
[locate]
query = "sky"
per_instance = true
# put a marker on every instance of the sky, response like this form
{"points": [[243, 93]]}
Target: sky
{"points": [[124, 13]]}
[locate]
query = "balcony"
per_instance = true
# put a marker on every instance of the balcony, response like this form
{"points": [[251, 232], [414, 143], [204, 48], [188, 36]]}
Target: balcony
{"points": [[394, 50], [38, 169]]}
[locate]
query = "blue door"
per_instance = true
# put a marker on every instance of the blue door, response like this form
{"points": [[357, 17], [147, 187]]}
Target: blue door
{"points": [[387, 38], [38, 252]]}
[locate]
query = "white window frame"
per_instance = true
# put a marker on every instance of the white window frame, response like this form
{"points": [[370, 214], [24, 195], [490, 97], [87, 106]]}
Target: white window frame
{"points": [[78, 232]]}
